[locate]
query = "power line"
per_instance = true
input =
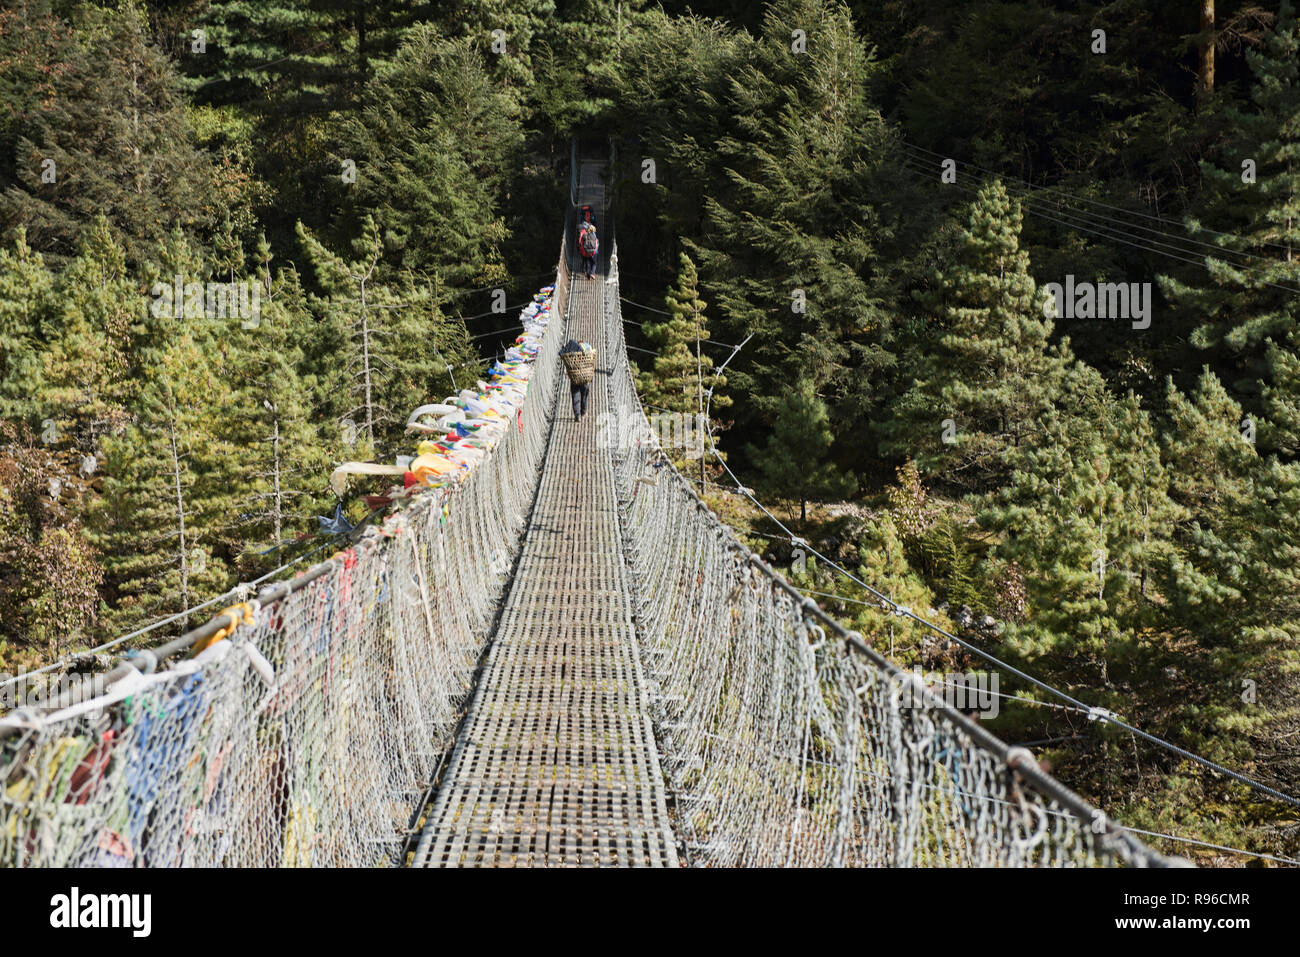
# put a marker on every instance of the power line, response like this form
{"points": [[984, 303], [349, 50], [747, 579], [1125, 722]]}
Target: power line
{"points": [[713, 342], [1061, 219], [1120, 235], [490, 312], [663, 313], [513, 281], [646, 308], [1028, 186], [497, 332]]}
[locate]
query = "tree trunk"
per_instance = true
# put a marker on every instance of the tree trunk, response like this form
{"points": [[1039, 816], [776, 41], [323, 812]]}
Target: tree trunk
{"points": [[361, 38], [1205, 72], [365, 365], [699, 402], [279, 495], [180, 513]]}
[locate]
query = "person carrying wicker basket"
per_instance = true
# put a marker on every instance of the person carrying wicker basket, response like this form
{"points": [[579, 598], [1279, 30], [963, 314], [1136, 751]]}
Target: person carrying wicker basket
{"points": [[580, 363]]}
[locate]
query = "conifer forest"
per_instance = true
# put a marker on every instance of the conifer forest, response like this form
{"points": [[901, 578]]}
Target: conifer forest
{"points": [[1007, 294]]}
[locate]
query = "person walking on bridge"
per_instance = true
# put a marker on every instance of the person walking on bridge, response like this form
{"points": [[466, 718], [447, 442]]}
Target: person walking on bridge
{"points": [[588, 243], [580, 364]]}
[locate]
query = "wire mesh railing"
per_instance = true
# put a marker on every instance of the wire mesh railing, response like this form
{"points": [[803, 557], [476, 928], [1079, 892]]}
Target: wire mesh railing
{"points": [[311, 719], [789, 741]]}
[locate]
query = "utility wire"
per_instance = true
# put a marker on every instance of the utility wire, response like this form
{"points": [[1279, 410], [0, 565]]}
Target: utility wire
{"points": [[1070, 197], [714, 342], [1119, 234]]}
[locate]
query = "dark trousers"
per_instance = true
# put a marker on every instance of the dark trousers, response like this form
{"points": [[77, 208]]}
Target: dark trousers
{"points": [[579, 393], [589, 264]]}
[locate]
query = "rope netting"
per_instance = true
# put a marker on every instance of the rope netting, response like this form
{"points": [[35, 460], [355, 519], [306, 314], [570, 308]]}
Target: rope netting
{"points": [[788, 740], [312, 719]]}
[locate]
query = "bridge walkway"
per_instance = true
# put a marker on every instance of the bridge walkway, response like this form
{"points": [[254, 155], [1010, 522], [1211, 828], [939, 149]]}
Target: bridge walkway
{"points": [[556, 763]]}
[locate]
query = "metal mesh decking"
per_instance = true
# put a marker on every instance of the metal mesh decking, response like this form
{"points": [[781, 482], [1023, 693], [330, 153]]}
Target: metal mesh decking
{"points": [[556, 763]]}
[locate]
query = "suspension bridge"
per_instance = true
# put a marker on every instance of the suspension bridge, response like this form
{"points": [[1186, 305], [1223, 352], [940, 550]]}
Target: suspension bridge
{"points": [[566, 659]]}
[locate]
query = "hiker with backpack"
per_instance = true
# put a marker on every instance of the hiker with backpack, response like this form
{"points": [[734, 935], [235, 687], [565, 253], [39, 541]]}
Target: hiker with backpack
{"points": [[580, 363], [588, 243]]}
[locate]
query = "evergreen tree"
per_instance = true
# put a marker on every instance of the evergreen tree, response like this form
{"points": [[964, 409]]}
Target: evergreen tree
{"points": [[36, 48], [48, 573], [168, 491], [884, 565], [87, 364], [580, 58], [1279, 427], [1088, 517], [1247, 309], [990, 371], [384, 349], [111, 139], [682, 382], [432, 143], [26, 299], [789, 247], [285, 457], [1232, 588], [524, 25], [669, 106], [794, 463], [269, 54]]}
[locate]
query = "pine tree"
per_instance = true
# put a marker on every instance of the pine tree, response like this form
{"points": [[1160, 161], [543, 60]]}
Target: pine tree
{"points": [[432, 142], [86, 375], [885, 567], [285, 458], [790, 243], [115, 132], [1233, 589], [580, 58], [26, 300], [168, 494], [268, 54], [682, 382], [1246, 310], [384, 349], [795, 463], [171, 472], [1279, 427], [1088, 517], [990, 371], [524, 25], [37, 49], [673, 102]]}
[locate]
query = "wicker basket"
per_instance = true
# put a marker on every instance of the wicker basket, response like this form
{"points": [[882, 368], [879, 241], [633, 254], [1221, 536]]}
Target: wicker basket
{"points": [[581, 366]]}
